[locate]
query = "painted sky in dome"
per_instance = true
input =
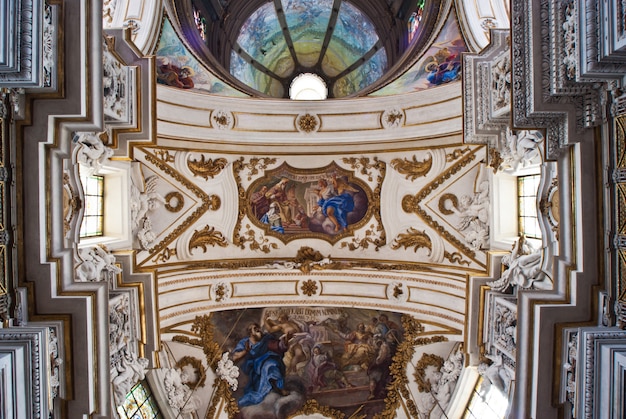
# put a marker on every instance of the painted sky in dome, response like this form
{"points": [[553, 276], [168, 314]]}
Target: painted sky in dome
{"points": [[363, 76], [307, 21], [261, 38], [441, 64], [177, 67], [354, 35]]}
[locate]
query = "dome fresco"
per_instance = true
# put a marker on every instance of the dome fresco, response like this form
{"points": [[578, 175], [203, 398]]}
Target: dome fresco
{"points": [[357, 48], [321, 44]]}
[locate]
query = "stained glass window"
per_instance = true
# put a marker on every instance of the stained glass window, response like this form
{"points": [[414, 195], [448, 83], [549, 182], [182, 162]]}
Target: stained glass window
{"points": [[93, 217], [139, 403], [527, 206], [200, 22], [415, 19]]}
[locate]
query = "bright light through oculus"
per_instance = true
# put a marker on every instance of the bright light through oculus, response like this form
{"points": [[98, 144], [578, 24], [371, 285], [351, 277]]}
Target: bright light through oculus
{"points": [[308, 86]]}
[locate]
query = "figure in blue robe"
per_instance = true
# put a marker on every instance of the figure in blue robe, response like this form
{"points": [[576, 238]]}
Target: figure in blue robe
{"points": [[341, 205], [262, 356]]}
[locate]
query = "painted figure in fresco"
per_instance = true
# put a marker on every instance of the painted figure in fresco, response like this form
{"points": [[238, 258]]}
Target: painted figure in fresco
{"points": [[443, 67], [172, 75], [273, 218], [259, 202], [322, 372], [378, 370], [262, 360], [357, 348], [336, 201], [299, 341]]}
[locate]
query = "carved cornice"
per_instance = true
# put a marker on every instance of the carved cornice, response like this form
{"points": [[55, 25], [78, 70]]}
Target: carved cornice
{"points": [[22, 52], [27, 351], [597, 364], [487, 115]]}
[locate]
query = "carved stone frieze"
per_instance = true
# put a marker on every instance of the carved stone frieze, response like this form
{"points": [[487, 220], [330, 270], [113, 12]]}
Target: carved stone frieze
{"points": [[495, 373], [26, 357], [520, 149], [125, 373], [118, 86], [601, 363], [21, 51], [569, 373], [559, 69], [49, 45]]}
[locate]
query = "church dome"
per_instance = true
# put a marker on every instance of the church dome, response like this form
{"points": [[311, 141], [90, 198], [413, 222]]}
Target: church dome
{"points": [[261, 47]]}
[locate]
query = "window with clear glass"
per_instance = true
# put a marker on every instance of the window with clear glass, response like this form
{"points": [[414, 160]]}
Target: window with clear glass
{"points": [[491, 404], [93, 217], [527, 206], [139, 403]]}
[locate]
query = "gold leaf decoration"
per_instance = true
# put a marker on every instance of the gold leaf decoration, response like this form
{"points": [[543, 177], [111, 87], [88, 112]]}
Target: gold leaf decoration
{"points": [[413, 168], [307, 123], [202, 327], [423, 384], [450, 157], [309, 287], [255, 164], [370, 238], [413, 238], [207, 237], [165, 255], [206, 168], [445, 198], [411, 203], [456, 257], [495, 160], [363, 164], [262, 243]]}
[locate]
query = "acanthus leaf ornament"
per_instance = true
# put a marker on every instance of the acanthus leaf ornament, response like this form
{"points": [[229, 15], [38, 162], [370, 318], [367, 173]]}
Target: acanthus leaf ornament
{"points": [[206, 168], [208, 236], [413, 168], [413, 238]]}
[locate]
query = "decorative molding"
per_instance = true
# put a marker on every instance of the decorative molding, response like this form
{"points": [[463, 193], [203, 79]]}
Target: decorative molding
{"points": [[307, 123], [25, 357], [601, 367], [569, 372], [487, 92], [22, 52]]}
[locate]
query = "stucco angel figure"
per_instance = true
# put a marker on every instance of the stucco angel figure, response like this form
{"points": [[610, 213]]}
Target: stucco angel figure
{"points": [[179, 395], [126, 374], [521, 148], [96, 264], [494, 375], [93, 152], [524, 269], [143, 196]]}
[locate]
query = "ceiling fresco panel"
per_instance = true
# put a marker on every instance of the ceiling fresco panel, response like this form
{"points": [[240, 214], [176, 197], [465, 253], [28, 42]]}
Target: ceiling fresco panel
{"points": [[346, 208], [336, 362]]}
